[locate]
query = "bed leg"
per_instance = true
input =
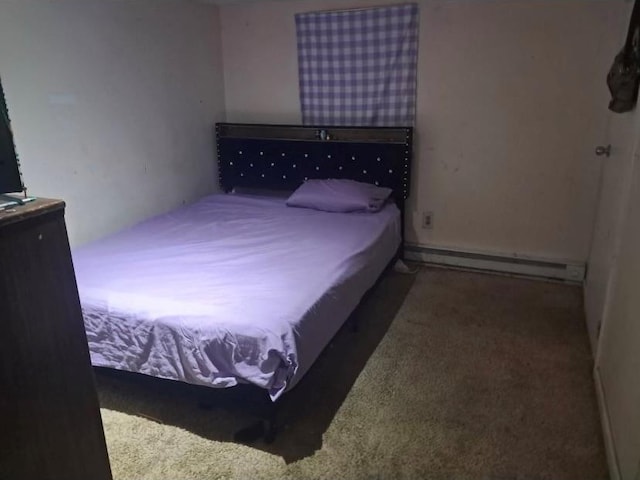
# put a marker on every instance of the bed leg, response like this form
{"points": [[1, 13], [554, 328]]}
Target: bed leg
{"points": [[266, 428], [271, 423], [251, 433]]}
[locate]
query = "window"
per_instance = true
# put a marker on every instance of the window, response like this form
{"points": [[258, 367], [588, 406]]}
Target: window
{"points": [[358, 67]]}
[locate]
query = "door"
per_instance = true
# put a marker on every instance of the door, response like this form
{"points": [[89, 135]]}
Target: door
{"points": [[622, 134], [621, 131], [618, 360], [612, 295]]}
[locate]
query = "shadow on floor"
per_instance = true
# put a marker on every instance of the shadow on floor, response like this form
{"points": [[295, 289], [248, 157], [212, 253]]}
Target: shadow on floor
{"points": [[306, 411]]}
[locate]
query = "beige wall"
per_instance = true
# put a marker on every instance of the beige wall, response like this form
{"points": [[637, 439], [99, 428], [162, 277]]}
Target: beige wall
{"points": [[511, 103], [113, 104]]}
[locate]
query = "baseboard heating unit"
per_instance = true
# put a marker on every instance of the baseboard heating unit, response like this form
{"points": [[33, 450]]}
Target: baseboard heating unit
{"points": [[573, 272]]}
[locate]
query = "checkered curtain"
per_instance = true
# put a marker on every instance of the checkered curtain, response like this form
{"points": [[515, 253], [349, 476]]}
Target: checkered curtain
{"points": [[358, 67]]}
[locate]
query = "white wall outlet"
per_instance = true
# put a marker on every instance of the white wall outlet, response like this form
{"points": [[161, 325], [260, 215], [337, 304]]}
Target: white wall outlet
{"points": [[427, 220]]}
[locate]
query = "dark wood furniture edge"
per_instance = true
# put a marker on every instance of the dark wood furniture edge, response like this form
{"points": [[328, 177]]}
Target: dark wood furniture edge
{"points": [[39, 206], [50, 405]]}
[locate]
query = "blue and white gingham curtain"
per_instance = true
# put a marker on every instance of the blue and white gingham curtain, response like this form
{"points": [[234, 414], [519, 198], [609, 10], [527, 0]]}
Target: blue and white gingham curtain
{"points": [[358, 67]]}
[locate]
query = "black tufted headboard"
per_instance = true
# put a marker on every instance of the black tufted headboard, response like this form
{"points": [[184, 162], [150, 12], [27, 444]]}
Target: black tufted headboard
{"points": [[281, 157]]}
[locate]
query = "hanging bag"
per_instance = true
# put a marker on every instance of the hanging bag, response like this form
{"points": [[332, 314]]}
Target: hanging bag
{"points": [[623, 78]]}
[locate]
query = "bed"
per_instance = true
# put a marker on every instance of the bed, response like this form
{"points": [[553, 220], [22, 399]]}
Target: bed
{"points": [[239, 288]]}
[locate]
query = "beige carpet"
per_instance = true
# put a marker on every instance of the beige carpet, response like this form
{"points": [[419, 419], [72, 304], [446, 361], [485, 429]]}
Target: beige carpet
{"points": [[452, 376]]}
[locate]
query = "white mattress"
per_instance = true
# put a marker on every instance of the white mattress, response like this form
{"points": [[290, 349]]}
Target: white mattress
{"points": [[230, 289]]}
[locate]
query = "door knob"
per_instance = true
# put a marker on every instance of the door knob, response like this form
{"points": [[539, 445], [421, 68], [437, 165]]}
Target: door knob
{"points": [[603, 150]]}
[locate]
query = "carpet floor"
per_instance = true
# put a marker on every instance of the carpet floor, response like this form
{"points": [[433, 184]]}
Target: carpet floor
{"points": [[452, 375]]}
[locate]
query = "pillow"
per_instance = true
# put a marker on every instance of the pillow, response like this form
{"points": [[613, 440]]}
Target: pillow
{"points": [[339, 195]]}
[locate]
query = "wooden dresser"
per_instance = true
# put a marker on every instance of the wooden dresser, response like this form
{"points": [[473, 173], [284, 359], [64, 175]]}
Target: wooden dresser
{"points": [[50, 425]]}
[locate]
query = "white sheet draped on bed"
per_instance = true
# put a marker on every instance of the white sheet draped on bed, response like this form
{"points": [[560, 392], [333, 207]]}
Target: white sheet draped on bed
{"points": [[230, 289]]}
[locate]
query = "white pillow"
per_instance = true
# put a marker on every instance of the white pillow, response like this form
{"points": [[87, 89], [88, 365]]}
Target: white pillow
{"points": [[339, 195]]}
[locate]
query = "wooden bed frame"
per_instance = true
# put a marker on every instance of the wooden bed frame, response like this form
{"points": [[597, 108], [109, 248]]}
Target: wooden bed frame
{"points": [[282, 157]]}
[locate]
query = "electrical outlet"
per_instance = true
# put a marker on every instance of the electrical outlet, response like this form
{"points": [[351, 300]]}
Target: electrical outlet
{"points": [[427, 220]]}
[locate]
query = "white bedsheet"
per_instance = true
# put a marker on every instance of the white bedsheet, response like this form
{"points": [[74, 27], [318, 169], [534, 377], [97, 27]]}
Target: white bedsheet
{"points": [[230, 289]]}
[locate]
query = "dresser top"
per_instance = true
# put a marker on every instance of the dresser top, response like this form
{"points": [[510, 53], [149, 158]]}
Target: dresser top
{"points": [[37, 207]]}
